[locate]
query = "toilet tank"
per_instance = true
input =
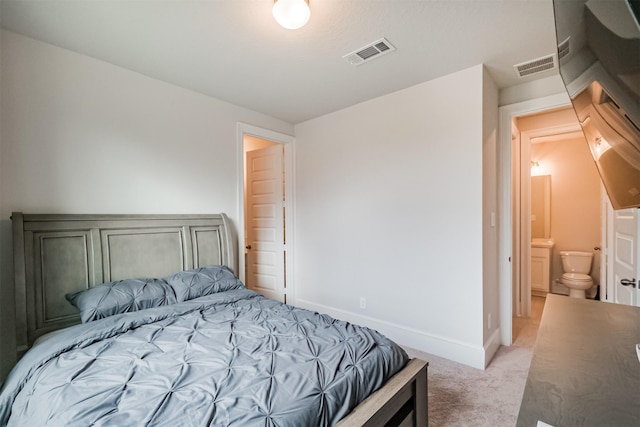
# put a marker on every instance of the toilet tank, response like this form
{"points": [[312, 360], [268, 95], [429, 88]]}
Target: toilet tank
{"points": [[576, 262]]}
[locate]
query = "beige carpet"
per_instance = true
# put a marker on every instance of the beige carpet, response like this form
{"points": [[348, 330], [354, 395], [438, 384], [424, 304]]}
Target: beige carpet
{"points": [[461, 396]]}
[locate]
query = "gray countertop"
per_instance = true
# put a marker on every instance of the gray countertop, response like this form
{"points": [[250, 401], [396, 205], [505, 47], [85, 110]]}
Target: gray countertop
{"points": [[584, 370]]}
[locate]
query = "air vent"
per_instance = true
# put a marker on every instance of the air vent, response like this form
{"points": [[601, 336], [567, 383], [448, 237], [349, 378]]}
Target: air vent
{"points": [[564, 49], [369, 52], [536, 66]]}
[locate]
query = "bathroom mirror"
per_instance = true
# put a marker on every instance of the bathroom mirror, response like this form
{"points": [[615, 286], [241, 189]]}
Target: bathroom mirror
{"points": [[541, 207]]}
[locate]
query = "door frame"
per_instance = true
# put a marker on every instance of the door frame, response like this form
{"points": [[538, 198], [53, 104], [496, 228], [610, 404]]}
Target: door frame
{"points": [[505, 169], [288, 141]]}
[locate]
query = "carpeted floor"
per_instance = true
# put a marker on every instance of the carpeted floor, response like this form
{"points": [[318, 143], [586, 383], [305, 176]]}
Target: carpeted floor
{"points": [[461, 396]]}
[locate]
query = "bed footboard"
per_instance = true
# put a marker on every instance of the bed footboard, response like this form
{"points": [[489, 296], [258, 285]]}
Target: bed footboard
{"points": [[402, 401]]}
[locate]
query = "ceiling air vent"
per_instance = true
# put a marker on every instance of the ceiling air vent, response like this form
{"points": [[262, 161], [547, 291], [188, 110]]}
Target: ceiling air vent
{"points": [[536, 66], [564, 49], [369, 52]]}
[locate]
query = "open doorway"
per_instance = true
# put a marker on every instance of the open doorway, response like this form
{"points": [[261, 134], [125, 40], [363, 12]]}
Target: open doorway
{"points": [[511, 296], [559, 195], [543, 138], [265, 236]]}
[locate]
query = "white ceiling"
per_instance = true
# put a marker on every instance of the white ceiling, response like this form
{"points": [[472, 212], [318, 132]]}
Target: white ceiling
{"points": [[233, 49]]}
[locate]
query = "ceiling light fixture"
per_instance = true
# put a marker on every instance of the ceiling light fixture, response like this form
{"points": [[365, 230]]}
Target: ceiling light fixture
{"points": [[291, 14]]}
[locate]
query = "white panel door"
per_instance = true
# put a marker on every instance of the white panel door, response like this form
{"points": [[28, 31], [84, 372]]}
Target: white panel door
{"points": [[265, 222], [625, 257]]}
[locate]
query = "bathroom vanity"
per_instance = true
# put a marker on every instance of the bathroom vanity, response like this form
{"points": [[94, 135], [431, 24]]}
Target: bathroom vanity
{"points": [[541, 266], [584, 370]]}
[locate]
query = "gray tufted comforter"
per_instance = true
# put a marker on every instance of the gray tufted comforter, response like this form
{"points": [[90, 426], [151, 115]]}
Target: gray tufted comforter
{"points": [[231, 358]]}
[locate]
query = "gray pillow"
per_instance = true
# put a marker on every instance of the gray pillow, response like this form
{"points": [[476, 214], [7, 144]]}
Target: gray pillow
{"points": [[121, 296], [192, 284]]}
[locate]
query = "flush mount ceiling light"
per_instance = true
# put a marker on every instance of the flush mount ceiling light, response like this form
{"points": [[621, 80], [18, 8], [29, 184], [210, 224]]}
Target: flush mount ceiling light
{"points": [[291, 14]]}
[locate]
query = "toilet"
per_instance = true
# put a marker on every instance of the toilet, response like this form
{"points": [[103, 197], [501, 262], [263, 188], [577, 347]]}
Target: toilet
{"points": [[576, 266]]}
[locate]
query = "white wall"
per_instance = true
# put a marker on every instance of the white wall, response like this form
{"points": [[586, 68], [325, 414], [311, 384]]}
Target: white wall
{"points": [[490, 253], [389, 207], [83, 136], [535, 89]]}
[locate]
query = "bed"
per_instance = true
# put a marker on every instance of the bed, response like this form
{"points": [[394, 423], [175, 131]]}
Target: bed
{"points": [[140, 320]]}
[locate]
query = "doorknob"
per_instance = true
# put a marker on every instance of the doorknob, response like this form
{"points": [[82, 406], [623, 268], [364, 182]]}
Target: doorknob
{"points": [[628, 282], [248, 247]]}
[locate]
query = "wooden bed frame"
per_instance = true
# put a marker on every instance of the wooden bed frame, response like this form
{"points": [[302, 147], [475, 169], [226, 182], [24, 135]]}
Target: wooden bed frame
{"points": [[58, 254]]}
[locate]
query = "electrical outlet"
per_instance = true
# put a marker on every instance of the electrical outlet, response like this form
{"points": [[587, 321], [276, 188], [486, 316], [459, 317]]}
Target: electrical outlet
{"points": [[489, 321], [363, 303]]}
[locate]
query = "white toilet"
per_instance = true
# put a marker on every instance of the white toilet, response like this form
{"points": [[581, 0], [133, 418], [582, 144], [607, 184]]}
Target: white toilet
{"points": [[576, 266]]}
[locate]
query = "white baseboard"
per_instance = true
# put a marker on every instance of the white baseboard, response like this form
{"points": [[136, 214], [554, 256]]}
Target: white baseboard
{"points": [[461, 352], [491, 346]]}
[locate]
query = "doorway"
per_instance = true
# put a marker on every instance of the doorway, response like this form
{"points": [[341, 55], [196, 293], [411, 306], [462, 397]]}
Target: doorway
{"points": [[265, 236], [513, 299], [510, 295], [546, 141], [560, 199]]}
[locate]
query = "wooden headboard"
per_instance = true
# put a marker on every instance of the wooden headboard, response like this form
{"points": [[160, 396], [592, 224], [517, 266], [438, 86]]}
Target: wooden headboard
{"points": [[58, 254]]}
